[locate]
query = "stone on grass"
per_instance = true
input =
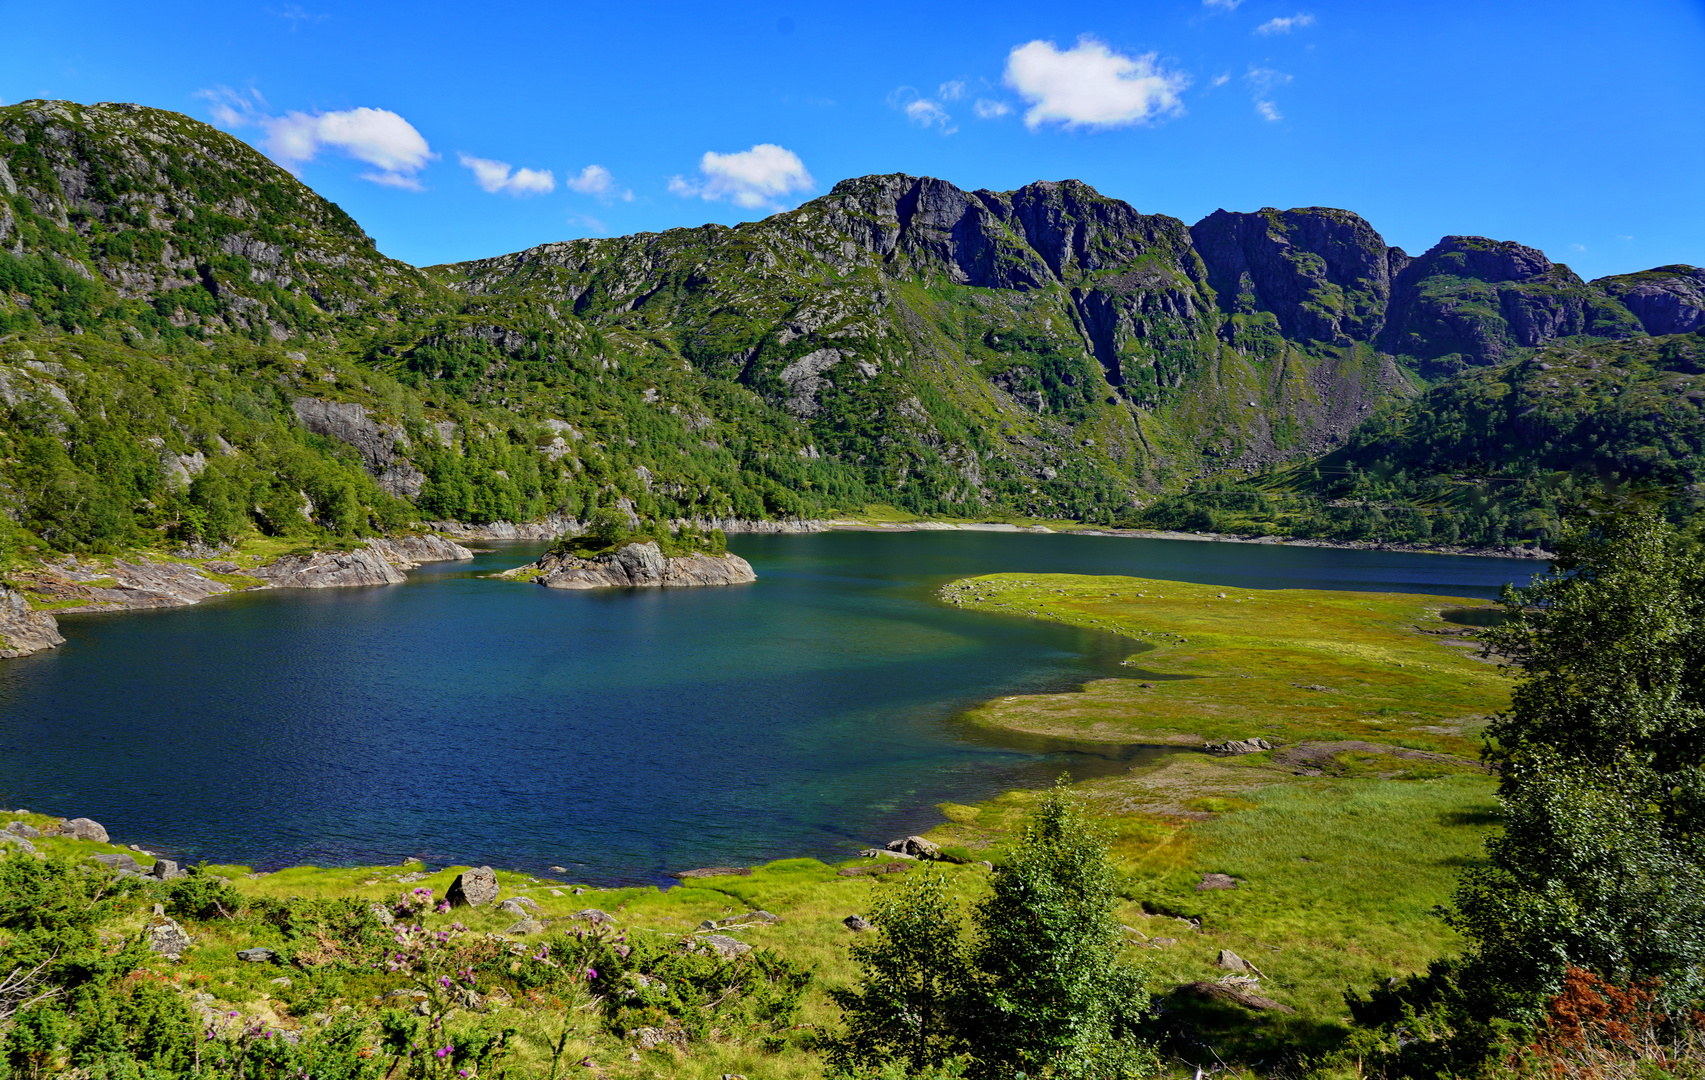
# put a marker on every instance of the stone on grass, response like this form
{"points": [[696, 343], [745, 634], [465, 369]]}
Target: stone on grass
{"points": [[166, 937], [713, 871], [1232, 962], [723, 945], [526, 926], [12, 840], [166, 870], [118, 863], [83, 829], [1252, 745], [473, 888], [23, 829], [916, 846], [260, 954], [1216, 881], [594, 916], [855, 924], [1211, 991]]}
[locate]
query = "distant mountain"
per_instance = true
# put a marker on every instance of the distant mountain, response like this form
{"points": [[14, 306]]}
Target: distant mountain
{"points": [[1047, 350]]}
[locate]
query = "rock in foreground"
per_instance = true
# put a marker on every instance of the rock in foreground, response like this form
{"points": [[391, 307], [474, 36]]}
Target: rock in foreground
{"points": [[637, 565], [23, 631]]}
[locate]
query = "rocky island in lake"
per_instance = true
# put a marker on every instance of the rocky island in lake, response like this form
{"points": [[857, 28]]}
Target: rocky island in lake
{"points": [[640, 563]]}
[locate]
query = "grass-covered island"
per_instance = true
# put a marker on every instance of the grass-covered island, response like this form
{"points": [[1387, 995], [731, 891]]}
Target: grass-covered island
{"points": [[1304, 890]]}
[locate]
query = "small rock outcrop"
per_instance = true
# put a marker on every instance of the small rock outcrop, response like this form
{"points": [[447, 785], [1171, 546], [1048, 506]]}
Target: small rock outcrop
{"points": [[23, 829], [166, 937], [23, 631], [118, 864], [12, 840], [408, 552], [594, 916], [329, 569], [916, 847], [640, 565], [83, 828], [473, 888], [1253, 745], [377, 443], [856, 924], [712, 871]]}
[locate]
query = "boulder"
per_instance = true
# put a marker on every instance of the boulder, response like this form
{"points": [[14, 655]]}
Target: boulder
{"points": [[166, 937], [12, 840], [1216, 881], [1236, 995], [523, 901], [1231, 961], [473, 888], [84, 829], [855, 924], [24, 630], [28, 832], [166, 870], [722, 945], [915, 846], [118, 864], [878, 853], [594, 916], [526, 926], [1252, 745], [257, 955], [382, 913], [712, 871]]}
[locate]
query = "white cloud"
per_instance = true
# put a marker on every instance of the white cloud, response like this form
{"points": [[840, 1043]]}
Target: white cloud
{"points": [[497, 177], [951, 91], [751, 178], [1578, 249], [1091, 85], [987, 109], [1223, 5], [1221, 79], [923, 111], [589, 223], [1285, 24], [599, 181], [1262, 82], [378, 137]]}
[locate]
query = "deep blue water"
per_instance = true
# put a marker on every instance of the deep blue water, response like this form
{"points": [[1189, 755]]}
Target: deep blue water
{"points": [[619, 733]]}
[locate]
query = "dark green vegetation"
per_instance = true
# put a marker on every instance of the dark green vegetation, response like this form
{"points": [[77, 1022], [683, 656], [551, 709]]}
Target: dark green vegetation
{"points": [[1042, 352], [1041, 990]]}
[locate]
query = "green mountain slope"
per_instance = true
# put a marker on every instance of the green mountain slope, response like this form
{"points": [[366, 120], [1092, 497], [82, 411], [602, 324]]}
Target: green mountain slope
{"points": [[1045, 351]]}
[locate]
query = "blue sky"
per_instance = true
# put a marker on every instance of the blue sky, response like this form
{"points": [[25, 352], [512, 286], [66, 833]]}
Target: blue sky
{"points": [[452, 131]]}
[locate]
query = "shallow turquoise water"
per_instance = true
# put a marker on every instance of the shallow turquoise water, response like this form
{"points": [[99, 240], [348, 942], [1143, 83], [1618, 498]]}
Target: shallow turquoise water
{"points": [[619, 733]]}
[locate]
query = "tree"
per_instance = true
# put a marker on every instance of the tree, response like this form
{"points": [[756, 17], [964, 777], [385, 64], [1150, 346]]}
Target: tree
{"points": [[1051, 995], [906, 1007], [1601, 758], [608, 526]]}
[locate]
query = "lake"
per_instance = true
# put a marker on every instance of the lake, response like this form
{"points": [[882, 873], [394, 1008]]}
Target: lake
{"points": [[621, 734]]}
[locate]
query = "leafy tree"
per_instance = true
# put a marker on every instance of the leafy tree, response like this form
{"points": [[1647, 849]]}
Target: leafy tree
{"points": [[907, 1005], [1602, 764], [1051, 993]]}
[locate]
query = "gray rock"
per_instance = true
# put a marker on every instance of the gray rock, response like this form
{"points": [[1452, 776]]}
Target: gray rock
{"points": [[594, 916], [377, 443], [473, 888], [638, 565], [28, 832], [723, 945], [382, 913], [712, 871], [260, 954], [15, 841], [855, 924], [23, 630], [1216, 881], [514, 907], [408, 552], [1231, 961], [916, 847], [526, 926], [118, 864], [524, 901], [166, 870], [330, 570], [84, 829], [166, 937], [1252, 745]]}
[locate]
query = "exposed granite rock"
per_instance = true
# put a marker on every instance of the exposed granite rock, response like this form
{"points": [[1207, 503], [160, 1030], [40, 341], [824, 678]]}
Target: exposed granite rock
{"points": [[23, 631], [118, 863], [377, 443], [1666, 299], [12, 840], [408, 552], [915, 847], [473, 888], [1237, 995], [124, 585], [23, 829], [330, 569], [166, 937], [638, 565], [1254, 745], [83, 828]]}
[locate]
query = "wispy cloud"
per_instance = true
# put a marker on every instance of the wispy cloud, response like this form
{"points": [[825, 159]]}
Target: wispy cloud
{"points": [[377, 137], [989, 109], [598, 181], [499, 178], [589, 223], [1262, 82], [1285, 24], [296, 16], [1223, 5], [1090, 85], [759, 177], [951, 91], [923, 111], [1221, 79]]}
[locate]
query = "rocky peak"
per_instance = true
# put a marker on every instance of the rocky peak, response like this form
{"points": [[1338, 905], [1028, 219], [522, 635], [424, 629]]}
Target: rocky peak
{"points": [[1666, 299], [1324, 273]]}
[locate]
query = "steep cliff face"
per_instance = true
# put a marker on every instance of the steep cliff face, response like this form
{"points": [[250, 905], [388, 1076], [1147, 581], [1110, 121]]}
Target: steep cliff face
{"points": [[23, 631], [1666, 300]]}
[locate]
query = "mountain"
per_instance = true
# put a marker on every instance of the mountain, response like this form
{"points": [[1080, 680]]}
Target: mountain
{"points": [[1045, 351]]}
